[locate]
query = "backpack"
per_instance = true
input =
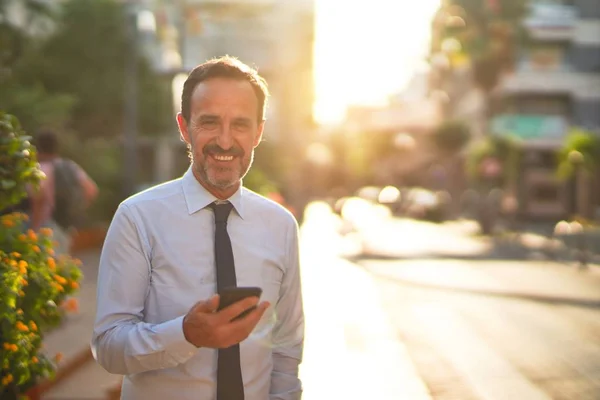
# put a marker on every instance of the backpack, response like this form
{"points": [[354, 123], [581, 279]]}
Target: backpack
{"points": [[69, 198]]}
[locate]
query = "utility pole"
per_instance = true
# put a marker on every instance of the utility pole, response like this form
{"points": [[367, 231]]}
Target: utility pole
{"points": [[130, 123]]}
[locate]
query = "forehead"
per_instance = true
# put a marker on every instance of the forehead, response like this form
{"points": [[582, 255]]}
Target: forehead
{"points": [[220, 95]]}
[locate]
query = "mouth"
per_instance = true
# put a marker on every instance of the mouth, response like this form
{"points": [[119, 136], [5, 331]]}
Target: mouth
{"points": [[222, 158]]}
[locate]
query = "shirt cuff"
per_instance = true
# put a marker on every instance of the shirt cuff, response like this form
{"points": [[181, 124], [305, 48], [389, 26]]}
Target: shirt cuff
{"points": [[174, 341]]}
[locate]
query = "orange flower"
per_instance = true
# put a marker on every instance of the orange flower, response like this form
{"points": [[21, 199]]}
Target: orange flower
{"points": [[13, 347], [9, 223], [7, 379], [22, 237], [23, 267], [74, 285], [7, 346], [71, 305], [34, 360], [59, 287], [24, 282], [33, 326], [51, 263], [58, 357], [46, 231], [13, 263], [22, 327], [60, 279], [15, 254], [36, 248], [51, 251], [32, 235], [21, 293], [19, 312]]}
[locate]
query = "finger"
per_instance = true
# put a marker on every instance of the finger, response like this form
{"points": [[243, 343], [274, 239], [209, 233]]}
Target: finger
{"points": [[232, 311], [249, 321], [207, 306]]}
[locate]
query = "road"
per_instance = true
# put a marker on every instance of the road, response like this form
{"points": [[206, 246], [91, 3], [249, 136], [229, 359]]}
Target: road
{"points": [[434, 294]]}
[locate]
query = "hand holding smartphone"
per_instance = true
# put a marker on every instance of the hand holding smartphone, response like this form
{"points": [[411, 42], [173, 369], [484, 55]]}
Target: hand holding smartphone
{"points": [[231, 295]]}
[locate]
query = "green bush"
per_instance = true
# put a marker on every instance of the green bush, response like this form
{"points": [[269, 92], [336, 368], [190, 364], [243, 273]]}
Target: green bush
{"points": [[580, 148], [34, 285], [18, 165]]}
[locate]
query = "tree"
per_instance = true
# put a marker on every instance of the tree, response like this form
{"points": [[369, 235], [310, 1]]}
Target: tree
{"points": [[86, 57], [483, 35], [72, 79], [488, 35], [579, 160], [506, 151], [19, 40], [581, 148], [450, 137]]}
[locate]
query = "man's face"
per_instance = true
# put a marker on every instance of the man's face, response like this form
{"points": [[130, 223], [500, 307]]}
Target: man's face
{"points": [[222, 132]]}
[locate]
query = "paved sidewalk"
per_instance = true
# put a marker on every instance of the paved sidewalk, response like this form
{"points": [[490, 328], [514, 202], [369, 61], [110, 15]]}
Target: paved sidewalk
{"points": [[89, 381]]}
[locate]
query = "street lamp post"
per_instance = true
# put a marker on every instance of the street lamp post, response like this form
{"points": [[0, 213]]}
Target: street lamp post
{"points": [[130, 123], [137, 21]]}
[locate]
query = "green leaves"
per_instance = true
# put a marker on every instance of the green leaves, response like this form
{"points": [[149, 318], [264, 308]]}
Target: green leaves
{"points": [[581, 148], [451, 137], [18, 163]]}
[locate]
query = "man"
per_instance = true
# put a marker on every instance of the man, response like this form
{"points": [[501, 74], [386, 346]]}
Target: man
{"points": [[64, 178], [161, 267]]}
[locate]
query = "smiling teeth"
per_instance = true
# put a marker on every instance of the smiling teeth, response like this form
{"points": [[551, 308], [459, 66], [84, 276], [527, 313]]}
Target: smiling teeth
{"points": [[224, 158]]}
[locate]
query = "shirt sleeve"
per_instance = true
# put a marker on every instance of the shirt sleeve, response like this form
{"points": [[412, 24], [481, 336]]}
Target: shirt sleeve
{"points": [[122, 342], [288, 333]]}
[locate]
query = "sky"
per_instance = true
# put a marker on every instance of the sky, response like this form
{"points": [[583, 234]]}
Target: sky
{"points": [[366, 50]]}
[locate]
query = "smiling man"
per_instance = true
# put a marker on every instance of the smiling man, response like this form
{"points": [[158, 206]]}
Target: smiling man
{"points": [[172, 249]]}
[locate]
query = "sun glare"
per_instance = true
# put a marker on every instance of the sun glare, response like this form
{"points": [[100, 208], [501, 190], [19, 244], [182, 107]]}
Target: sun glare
{"points": [[367, 50]]}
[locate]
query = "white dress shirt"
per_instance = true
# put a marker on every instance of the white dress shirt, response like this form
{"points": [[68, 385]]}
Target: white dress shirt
{"points": [[158, 260]]}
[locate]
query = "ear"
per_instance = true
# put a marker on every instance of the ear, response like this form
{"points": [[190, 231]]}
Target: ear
{"points": [[183, 129], [259, 133]]}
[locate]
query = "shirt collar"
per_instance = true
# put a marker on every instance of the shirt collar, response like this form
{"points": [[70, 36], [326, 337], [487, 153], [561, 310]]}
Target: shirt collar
{"points": [[197, 197]]}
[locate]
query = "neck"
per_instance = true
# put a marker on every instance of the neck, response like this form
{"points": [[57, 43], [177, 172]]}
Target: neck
{"points": [[221, 194]]}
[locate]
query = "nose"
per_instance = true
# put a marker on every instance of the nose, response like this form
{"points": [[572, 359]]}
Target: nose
{"points": [[225, 138]]}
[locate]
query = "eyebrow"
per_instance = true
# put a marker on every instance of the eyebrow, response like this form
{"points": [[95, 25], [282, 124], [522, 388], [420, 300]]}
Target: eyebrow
{"points": [[212, 118], [242, 119], [208, 117]]}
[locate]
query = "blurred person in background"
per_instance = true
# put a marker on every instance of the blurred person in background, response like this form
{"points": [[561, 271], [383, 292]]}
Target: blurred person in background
{"points": [[161, 271], [62, 198]]}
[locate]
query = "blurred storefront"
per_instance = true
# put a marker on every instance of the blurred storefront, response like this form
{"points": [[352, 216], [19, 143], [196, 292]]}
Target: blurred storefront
{"points": [[555, 86]]}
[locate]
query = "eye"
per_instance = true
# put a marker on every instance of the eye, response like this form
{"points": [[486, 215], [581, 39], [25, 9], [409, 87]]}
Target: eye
{"points": [[209, 124], [241, 125]]}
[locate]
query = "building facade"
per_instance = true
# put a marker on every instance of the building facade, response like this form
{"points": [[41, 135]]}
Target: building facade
{"points": [[555, 86]]}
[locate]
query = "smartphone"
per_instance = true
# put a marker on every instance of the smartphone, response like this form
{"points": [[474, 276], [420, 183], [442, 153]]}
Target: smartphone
{"points": [[230, 295]]}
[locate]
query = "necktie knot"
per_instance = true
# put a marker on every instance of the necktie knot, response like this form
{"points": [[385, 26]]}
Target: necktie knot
{"points": [[221, 211]]}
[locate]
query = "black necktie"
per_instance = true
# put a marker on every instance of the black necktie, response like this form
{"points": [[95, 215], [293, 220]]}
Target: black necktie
{"points": [[229, 373]]}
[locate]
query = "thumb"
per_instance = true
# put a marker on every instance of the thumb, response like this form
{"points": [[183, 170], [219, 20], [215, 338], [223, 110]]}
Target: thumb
{"points": [[207, 306], [213, 303]]}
